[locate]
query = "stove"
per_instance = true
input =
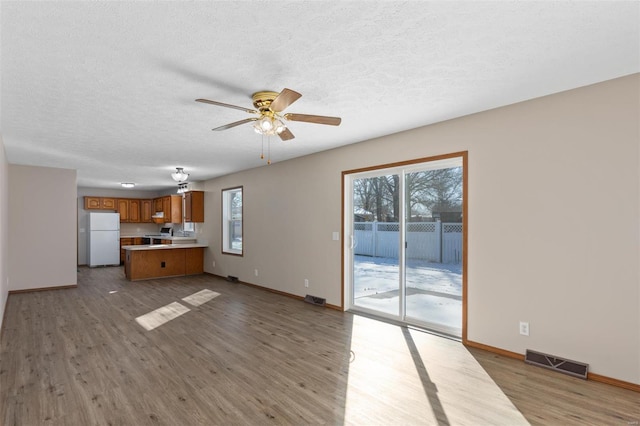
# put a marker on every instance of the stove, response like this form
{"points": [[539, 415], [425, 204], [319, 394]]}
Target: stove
{"points": [[157, 238]]}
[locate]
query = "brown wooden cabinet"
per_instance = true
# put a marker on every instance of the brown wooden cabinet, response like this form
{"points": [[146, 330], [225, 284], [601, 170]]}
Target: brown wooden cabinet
{"points": [[123, 209], [146, 211], [166, 262], [99, 203], [91, 203], [134, 211], [108, 203], [124, 242], [128, 241], [157, 205], [129, 210], [194, 206], [171, 208]]}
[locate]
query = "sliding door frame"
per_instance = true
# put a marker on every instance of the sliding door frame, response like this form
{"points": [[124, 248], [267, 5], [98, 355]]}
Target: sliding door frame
{"points": [[463, 155]]}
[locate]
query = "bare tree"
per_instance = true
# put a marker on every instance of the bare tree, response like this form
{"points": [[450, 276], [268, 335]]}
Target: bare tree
{"points": [[427, 191]]}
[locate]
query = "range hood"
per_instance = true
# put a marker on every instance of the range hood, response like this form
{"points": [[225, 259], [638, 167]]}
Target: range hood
{"points": [[158, 215]]}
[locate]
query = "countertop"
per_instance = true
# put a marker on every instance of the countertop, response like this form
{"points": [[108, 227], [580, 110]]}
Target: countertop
{"points": [[176, 238], [165, 246]]}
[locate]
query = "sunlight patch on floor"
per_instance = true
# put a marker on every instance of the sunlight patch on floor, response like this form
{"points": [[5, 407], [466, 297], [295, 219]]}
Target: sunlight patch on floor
{"points": [[413, 377], [201, 297], [161, 315]]}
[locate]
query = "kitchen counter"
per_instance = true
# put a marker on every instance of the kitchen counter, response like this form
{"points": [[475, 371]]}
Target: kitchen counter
{"points": [[144, 262], [175, 238], [164, 246]]}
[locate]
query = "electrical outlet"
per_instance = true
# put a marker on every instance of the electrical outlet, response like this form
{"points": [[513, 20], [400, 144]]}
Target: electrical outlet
{"points": [[255, 271], [306, 282], [335, 236], [524, 328], [213, 264]]}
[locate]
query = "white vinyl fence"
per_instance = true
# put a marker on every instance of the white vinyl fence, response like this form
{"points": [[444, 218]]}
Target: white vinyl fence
{"points": [[431, 241]]}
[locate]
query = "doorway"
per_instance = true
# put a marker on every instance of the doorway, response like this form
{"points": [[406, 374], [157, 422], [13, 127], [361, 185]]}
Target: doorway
{"points": [[405, 251]]}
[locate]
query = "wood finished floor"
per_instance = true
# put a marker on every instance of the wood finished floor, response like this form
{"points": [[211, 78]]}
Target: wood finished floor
{"points": [[78, 357]]}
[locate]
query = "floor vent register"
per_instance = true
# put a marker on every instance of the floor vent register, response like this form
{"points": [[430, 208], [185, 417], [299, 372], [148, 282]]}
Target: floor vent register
{"points": [[318, 301], [566, 366]]}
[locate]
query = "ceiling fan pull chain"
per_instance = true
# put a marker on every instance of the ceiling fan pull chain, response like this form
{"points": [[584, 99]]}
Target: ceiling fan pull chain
{"points": [[262, 152], [268, 150]]}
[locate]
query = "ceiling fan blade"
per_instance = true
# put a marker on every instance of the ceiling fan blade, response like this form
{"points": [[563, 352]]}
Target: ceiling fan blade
{"points": [[207, 101], [286, 134], [318, 119], [284, 99], [236, 123]]}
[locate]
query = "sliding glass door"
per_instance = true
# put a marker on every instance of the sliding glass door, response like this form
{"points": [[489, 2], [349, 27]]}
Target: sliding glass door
{"points": [[404, 255], [375, 237]]}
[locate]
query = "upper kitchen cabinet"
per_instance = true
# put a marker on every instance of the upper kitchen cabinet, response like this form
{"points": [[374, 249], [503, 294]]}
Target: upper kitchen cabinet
{"points": [[99, 203], [134, 211], [129, 210], [194, 206], [123, 209], [108, 203], [146, 211], [170, 209]]}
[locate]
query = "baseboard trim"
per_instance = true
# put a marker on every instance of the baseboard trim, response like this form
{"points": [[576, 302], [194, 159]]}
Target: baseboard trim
{"points": [[613, 382], [590, 376], [30, 290], [281, 293], [494, 350]]}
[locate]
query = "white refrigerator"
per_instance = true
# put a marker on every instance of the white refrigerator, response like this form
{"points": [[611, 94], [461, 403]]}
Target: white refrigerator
{"points": [[104, 239]]}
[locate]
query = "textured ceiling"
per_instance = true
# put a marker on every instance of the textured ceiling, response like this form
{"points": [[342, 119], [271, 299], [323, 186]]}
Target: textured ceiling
{"points": [[108, 88]]}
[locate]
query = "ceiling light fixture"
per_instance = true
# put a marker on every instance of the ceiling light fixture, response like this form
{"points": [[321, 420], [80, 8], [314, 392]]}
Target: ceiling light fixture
{"points": [[128, 184], [183, 187], [179, 175], [269, 125]]}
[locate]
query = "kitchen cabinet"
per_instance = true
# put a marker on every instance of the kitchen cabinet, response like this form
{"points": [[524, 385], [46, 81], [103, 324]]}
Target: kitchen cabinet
{"points": [[134, 211], [91, 203], [124, 242], [157, 205], [108, 203], [144, 263], [146, 211], [99, 203], [128, 241], [194, 206], [123, 209], [171, 208], [129, 210]]}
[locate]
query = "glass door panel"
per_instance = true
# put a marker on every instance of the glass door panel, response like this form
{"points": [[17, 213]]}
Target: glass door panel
{"points": [[433, 253], [375, 244], [405, 258]]}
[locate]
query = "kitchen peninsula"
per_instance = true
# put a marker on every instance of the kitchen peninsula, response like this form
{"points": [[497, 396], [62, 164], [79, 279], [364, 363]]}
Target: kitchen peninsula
{"points": [[144, 262]]}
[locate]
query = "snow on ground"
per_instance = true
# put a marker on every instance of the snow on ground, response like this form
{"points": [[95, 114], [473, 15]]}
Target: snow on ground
{"points": [[434, 290]]}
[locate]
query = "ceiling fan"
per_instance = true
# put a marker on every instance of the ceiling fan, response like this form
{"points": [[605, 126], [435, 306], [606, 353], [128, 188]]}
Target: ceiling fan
{"points": [[270, 120]]}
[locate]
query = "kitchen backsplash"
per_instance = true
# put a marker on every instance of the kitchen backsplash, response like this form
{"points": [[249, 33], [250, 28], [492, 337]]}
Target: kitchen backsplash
{"points": [[139, 228], [151, 228]]}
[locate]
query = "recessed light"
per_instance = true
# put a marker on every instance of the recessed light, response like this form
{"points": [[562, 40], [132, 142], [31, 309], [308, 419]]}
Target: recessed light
{"points": [[128, 184]]}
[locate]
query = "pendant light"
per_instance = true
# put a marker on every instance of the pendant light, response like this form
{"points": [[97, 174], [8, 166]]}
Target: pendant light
{"points": [[179, 175]]}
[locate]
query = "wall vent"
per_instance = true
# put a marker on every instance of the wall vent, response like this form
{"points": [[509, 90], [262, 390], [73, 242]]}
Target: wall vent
{"points": [[319, 301], [552, 362], [232, 279]]}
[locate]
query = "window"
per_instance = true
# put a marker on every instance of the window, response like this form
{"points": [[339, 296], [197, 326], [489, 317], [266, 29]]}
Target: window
{"points": [[232, 221]]}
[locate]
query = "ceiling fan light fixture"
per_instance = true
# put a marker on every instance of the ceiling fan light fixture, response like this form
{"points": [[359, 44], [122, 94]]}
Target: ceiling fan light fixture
{"points": [[179, 175], [278, 126], [266, 124]]}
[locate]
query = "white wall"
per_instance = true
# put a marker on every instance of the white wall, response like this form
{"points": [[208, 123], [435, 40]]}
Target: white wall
{"points": [[4, 230], [42, 227], [559, 173]]}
